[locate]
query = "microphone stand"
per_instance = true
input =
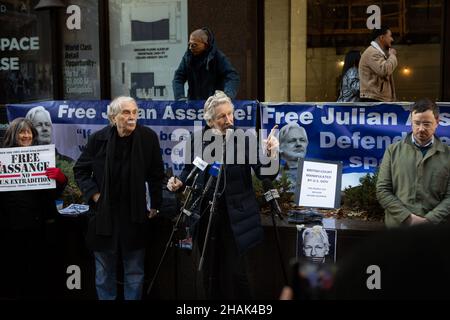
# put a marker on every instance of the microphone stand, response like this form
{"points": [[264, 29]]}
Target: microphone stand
{"points": [[171, 238], [210, 228], [277, 240]]}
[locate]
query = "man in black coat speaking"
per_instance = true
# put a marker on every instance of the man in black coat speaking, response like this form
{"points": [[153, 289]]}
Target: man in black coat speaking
{"points": [[205, 68], [236, 225], [120, 162]]}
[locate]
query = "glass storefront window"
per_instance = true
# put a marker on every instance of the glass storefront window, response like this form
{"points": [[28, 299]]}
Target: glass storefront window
{"points": [[80, 50], [25, 53], [338, 26], [147, 39]]}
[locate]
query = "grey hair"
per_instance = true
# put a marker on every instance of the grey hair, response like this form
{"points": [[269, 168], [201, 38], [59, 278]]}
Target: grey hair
{"points": [[116, 106], [14, 128], [209, 110], [201, 33], [284, 131], [322, 233], [32, 113]]}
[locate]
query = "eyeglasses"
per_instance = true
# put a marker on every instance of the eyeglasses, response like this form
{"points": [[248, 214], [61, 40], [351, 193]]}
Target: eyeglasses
{"points": [[426, 125], [193, 45]]}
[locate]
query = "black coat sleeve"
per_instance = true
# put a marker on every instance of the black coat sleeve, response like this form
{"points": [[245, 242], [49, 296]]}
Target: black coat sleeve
{"points": [[267, 170], [155, 173], [179, 79], [83, 171]]}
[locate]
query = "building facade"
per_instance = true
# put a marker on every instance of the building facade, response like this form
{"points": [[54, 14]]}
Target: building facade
{"points": [[284, 50]]}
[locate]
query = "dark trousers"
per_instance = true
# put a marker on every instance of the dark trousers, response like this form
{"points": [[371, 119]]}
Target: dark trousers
{"points": [[224, 272], [28, 268]]}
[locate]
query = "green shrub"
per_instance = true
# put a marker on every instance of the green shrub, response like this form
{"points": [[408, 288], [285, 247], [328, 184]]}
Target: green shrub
{"points": [[362, 199], [71, 194], [283, 185]]}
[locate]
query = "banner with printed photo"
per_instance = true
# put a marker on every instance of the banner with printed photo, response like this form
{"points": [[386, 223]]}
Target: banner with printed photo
{"points": [[72, 122], [355, 134], [23, 168]]}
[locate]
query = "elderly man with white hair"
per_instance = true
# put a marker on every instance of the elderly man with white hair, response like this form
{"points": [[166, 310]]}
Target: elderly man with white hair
{"points": [[112, 172], [293, 143], [42, 122], [293, 146], [315, 244], [236, 225]]}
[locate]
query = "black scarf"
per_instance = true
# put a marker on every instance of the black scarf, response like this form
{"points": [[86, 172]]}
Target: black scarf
{"points": [[137, 205]]}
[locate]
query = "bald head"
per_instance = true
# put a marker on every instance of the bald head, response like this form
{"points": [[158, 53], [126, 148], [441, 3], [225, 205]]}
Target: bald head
{"points": [[200, 34], [198, 42]]}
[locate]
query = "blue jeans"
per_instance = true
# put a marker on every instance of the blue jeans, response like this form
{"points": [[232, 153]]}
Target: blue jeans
{"points": [[106, 276]]}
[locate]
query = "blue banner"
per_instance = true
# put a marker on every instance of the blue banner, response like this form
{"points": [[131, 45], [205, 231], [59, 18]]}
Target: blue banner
{"points": [[72, 122], [356, 134]]}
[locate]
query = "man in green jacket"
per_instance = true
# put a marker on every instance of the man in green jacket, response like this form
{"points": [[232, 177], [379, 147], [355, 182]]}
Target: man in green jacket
{"points": [[414, 180]]}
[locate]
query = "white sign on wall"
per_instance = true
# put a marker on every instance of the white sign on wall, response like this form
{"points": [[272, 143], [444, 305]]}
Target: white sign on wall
{"points": [[147, 44]]}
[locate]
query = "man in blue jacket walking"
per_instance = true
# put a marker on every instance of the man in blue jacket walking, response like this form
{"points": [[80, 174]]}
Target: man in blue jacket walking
{"points": [[205, 68]]}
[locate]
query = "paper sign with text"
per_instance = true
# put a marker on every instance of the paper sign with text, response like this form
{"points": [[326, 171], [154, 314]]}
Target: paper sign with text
{"points": [[23, 168], [319, 183]]}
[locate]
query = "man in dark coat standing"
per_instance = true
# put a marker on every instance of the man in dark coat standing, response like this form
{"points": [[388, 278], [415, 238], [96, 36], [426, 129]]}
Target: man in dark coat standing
{"points": [[236, 225], [205, 68], [119, 164]]}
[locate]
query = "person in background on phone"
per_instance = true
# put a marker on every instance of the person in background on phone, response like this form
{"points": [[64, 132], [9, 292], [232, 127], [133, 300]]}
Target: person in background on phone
{"points": [[26, 218], [376, 68], [350, 78]]}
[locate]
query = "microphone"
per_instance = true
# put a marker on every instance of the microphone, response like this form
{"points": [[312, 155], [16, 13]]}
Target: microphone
{"points": [[199, 164], [213, 173], [271, 195], [189, 211]]}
